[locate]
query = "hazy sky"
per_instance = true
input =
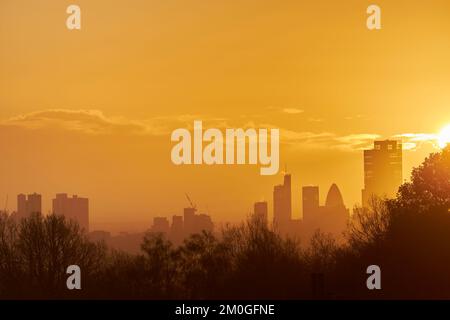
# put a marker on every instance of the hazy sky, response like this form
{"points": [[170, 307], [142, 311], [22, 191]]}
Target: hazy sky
{"points": [[90, 112]]}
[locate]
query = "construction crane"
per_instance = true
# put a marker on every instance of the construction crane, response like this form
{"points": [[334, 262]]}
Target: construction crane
{"points": [[193, 205]]}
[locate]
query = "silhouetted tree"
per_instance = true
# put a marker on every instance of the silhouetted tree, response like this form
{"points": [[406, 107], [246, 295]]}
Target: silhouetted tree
{"points": [[204, 265], [40, 249], [161, 264], [124, 276], [264, 264], [408, 237], [10, 264], [429, 188]]}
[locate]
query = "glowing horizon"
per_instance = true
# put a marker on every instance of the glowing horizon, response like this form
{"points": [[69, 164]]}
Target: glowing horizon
{"points": [[90, 111]]}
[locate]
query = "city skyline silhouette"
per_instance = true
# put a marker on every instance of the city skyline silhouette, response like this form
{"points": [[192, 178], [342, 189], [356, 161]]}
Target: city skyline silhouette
{"points": [[382, 175], [208, 150], [234, 262], [97, 122]]}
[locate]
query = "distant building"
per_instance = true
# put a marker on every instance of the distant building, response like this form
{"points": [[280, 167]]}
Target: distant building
{"points": [[282, 205], [196, 223], [382, 170], [177, 230], [28, 205], [128, 242], [336, 214], [183, 226], [310, 201], [330, 218], [260, 211], [160, 225], [203, 223], [75, 209], [189, 220], [99, 236]]}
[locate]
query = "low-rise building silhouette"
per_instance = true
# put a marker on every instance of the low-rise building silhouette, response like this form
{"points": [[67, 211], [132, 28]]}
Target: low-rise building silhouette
{"points": [[99, 236], [160, 225], [182, 226]]}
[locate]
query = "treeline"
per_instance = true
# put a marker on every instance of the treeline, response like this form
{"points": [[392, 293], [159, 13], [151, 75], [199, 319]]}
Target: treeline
{"points": [[408, 237]]}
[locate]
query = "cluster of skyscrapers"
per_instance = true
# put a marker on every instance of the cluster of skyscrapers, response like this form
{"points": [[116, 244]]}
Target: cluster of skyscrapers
{"points": [[382, 177], [73, 208], [330, 218]]}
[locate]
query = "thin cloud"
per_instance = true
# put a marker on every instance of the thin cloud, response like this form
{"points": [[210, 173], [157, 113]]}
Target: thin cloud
{"points": [[292, 110], [412, 141], [356, 117], [84, 120], [417, 136], [328, 140], [91, 121], [316, 119]]}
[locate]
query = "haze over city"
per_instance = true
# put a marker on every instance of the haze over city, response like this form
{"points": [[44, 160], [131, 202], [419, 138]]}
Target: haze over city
{"points": [[90, 113], [223, 157]]}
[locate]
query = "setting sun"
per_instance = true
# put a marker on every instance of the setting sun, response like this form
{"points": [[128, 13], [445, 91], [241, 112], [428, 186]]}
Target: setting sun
{"points": [[444, 137]]}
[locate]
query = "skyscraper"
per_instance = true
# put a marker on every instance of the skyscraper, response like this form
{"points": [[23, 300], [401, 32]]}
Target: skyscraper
{"points": [[382, 170], [27, 206], [282, 207], [337, 213], [334, 197], [22, 206], [75, 208], [260, 211], [189, 220], [330, 218], [177, 230], [310, 201]]}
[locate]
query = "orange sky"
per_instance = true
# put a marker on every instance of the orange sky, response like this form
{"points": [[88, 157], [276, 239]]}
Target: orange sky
{"points": [[90, 112]]}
